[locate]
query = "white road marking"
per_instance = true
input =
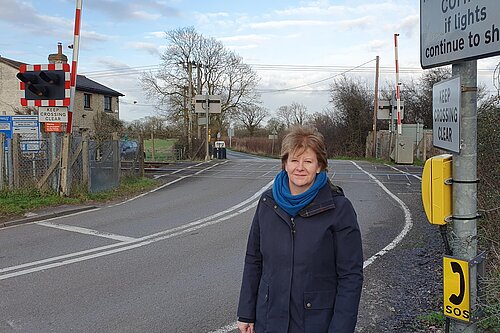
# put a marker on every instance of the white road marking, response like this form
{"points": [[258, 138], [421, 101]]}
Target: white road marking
{"points": [[85, 231], [369, 261], [226, 329], [408, 221], [403, 172], [128, 245]]}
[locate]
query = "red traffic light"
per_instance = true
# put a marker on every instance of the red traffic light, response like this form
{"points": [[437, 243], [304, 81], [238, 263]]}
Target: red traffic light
{"points": [[45, 85], [39, 91], [49, 78], [27, 78]]}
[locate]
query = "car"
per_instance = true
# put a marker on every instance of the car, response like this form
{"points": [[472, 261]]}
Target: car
{"points": [[129, 149]]}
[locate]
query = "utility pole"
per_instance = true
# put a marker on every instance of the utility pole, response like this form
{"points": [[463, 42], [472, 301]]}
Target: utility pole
{"points": [[375, 108], [207, 111], [464, 238], [199, 88], [189, 108]]}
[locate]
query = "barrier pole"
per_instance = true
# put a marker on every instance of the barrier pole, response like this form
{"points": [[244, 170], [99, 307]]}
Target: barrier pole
{"points": [[74, 62]]}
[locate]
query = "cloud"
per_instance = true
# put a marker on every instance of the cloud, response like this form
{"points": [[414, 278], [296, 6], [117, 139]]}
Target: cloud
{"points": [[141, 10], [290, 24], [410, 25], [358, 23], [204, 18], [32, 21], [244, 39], [156, 34], [378, 45], [314, 10], [151, 48]]}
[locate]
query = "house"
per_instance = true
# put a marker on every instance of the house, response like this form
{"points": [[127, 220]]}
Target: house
{"points": [[91, 97]]}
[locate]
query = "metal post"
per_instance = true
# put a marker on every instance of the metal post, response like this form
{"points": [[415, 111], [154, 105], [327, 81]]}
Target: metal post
{"points": [[10, 163], [464, 241], [16, 160], [189, 108], [207, 112], [2, 159], [53, 156], [375, 108]]}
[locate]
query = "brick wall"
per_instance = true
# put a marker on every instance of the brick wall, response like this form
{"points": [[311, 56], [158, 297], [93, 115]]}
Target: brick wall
{"points": [[10, 94], [83, 118]]}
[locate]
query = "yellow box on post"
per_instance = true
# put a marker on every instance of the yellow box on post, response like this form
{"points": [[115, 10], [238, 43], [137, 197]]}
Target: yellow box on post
{"points": [[437, 188]]}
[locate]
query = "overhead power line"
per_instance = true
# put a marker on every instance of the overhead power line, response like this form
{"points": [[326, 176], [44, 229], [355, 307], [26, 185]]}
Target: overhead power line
{"points": [[271, 67], [319, 81]]}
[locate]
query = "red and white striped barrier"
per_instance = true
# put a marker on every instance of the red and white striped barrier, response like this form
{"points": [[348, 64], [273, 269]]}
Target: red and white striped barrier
{"points": [[74, 63], [398, 91]]}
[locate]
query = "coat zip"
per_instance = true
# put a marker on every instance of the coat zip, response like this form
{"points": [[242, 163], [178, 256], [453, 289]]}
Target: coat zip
{"points": [[293, 225]]}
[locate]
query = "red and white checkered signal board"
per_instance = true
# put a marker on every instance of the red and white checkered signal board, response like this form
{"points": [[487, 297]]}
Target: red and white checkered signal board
{"points": [[47, 102]]}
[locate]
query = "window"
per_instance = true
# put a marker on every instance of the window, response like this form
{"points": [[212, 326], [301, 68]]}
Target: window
{"points": [[86, 101], [107, 103]]}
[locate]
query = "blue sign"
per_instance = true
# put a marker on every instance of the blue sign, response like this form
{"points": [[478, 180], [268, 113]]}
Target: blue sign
{"points": [[28, 128]]}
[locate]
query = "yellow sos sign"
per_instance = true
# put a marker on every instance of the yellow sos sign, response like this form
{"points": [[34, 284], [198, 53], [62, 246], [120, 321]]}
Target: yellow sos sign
{"points": [[456, 288]]}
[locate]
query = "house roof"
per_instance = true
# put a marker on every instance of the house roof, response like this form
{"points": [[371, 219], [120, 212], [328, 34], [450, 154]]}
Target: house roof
{"points": [[83, 83]]}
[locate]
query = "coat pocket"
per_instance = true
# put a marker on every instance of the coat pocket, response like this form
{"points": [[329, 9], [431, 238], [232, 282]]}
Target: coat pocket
{"points": [[262, 307], [318, 310]]}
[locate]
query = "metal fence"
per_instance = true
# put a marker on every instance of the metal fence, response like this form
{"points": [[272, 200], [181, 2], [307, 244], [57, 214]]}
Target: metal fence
{"points": [[38, 164]]}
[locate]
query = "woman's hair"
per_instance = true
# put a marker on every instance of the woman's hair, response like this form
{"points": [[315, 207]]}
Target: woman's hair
{"points": [[299, 139]]}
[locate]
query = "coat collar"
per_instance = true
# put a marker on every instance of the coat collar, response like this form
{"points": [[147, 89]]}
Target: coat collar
{"points": [[322, 202]]}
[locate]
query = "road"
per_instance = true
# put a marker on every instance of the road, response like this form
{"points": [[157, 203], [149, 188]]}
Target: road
{"points": [[171, 260]]}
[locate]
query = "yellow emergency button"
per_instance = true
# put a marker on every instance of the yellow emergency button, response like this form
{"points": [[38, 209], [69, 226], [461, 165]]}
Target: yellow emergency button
{"points": [[437, 188]]}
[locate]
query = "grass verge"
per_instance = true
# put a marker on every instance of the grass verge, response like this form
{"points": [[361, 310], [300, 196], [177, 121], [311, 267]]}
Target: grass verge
{"points": [[19, 202]]}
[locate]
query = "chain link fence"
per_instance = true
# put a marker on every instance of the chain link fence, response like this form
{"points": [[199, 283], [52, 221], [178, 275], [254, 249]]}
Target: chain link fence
{"points": [[92, 166]]}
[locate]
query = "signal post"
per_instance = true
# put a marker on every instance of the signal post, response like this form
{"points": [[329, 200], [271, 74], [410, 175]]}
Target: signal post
{"points": [[455, 129]]}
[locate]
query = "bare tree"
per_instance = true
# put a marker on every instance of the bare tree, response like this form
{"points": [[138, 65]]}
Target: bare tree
{"points": [[285, 115], [352, 111], [205, 65], [293, 114], [251, 116], [417, 96]]}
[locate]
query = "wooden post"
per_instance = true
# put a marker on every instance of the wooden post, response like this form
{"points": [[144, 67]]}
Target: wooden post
{"points": [[152, 145], [85, 161], [65, 168], [141, 156], [16, 161], [2, 158]]}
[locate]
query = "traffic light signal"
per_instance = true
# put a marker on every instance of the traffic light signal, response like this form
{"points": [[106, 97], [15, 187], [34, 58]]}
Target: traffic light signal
{"points": [[45, 85]]}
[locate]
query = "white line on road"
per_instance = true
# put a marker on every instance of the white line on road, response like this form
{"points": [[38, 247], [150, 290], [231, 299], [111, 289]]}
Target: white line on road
{"points": [[408, 225], [124, 246], [403, 172], [85, 231], [406, 228]]}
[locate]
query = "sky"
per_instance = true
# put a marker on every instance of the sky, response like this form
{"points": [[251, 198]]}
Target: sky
{"points": [[290, 44]]}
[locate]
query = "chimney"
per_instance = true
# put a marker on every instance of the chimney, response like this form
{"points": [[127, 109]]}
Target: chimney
{"points": [[59, 57]]}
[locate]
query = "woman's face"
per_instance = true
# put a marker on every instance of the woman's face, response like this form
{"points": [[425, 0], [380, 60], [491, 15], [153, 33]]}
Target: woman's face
{"points": [[301, 169]]}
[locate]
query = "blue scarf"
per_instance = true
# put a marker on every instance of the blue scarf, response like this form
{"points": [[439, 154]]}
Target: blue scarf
{"points": [[292, 204]]}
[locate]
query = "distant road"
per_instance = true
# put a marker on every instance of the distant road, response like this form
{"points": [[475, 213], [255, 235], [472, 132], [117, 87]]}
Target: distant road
{"points": [[170, 260]]}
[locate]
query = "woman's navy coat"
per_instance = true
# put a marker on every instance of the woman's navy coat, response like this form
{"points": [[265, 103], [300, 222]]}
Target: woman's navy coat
{"points": [[303, 274]]}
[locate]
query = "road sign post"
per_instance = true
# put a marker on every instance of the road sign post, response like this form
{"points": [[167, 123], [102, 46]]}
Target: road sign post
{"points": [[459, 32], [465, 183]]}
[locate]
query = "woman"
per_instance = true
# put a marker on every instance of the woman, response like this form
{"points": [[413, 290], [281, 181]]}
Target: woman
{"points": [[304, 263]]}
